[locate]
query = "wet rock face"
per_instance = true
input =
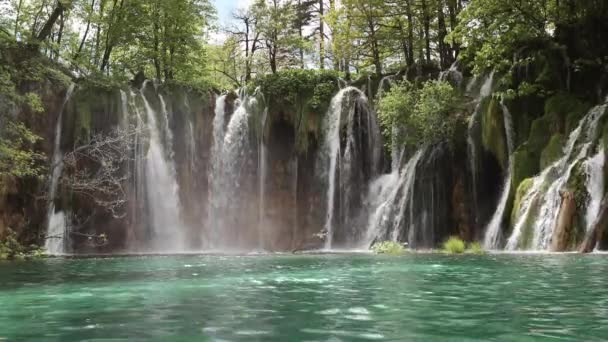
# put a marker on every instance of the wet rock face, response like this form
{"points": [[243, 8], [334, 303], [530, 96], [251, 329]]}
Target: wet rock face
{"points": [[22, 201]]}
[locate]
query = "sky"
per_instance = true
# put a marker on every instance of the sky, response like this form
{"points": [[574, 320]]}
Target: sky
{"points": [[224, 14], [226, 7]]}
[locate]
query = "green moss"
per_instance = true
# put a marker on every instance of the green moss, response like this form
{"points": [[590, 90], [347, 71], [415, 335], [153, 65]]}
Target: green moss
{"points": [[522, 190], [577, 184], [82, 120], [553, 151], [540, 132], [567, 109], [525, 164], [302, 96], [604, 138], [492, 130]]}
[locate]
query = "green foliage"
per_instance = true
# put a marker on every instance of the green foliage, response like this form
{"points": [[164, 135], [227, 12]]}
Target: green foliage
{"points": [[293, 88], [492, 132], [427, 114], [299, 92], [475, 248], [553, 151], [17, 158], [11, 249], [388, 247], [454, 245]]}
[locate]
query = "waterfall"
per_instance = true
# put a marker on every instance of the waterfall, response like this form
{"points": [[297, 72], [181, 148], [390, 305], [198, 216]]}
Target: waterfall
{"points": [[485, 91], [391, 200], [162, 187], [452, 75], [262, 181], [230, 177], [332, 124], [349, 160], [594, 168], [494, 228], [55, 242], [544, 194], [215, 168]]}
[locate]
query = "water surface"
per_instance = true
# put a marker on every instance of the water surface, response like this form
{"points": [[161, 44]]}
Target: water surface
{"points": [[306, 298]]}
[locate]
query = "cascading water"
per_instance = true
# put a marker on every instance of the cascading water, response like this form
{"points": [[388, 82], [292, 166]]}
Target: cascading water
{"points": [[485, 91], [452, 75], [333, 122], [332, 147], [162, 187], [350, 158], [493, 230], [214, 202], [391, 198], [56, 221], [594, 168], [544, 198], [262, 180], [231, 178]]}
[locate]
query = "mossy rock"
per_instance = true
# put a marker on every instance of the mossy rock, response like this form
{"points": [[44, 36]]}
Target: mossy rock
{"points": [[527, 230], [604, 138], [553, 151], [522, 190], [525, 164], [493, 132], [577, 184], [541, 131], [567, 109]]}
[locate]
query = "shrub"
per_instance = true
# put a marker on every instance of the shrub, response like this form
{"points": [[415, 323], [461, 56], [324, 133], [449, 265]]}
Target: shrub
{"points": [[454, 245], [475, 248], [428, 113], [388, 247], [11, 248]]}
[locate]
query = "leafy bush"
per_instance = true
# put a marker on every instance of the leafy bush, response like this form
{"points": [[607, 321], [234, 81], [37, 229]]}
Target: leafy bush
{"points": [[454, 245], [11, 248], [388, 247], [475, 248], [298, 88], [427, 114]]}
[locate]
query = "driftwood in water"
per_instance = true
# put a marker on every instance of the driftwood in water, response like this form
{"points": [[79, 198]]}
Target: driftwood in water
{"points": [[597, 230], [565, 219]]}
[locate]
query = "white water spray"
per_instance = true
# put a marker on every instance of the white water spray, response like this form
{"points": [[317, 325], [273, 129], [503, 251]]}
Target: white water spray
{"points": [[56, 221]]}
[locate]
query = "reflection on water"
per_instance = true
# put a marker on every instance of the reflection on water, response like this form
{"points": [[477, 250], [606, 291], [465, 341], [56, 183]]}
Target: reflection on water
{"points": [[313, 298]]}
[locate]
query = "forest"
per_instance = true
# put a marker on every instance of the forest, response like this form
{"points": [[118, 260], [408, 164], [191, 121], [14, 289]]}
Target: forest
{"points": [[286, 170]]}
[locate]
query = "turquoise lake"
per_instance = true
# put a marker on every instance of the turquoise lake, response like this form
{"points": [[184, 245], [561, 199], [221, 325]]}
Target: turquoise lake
{"points": [[333, 297]]}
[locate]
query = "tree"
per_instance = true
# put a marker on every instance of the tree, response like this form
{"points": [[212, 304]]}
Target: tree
{"points": [[97, 170], [427, 115]]}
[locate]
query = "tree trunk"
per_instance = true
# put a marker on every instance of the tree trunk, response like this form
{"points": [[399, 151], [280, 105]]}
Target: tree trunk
{"points": [[427, 29], [565, 220], [374, 42], [410, 33], [48, 26], [597, 230], [442, 32], [60, 36], [321, 35], [105, 61], [453, 8], [86, 32], [155, 33], [17, 17]]}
